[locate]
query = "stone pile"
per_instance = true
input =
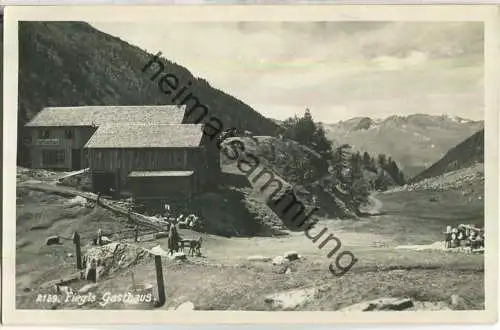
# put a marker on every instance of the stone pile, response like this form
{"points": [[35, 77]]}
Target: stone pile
{"points": [[112, 257]]}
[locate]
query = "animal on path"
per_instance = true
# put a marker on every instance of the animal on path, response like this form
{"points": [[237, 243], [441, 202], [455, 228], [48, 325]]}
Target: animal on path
{"points": [[195, 246]]}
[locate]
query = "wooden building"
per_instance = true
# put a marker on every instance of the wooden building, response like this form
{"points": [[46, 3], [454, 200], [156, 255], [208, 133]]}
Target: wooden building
{"points": [[58, 134], [152, 161], [162, 185]]}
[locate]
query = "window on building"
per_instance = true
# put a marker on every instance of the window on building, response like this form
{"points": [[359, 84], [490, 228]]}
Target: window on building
{"points": [[53, 157], [68, 134], [45, 134]]}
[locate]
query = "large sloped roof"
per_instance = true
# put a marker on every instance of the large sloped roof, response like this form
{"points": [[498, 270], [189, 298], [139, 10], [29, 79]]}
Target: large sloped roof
{"points": [[98, 115], [118, 136]]}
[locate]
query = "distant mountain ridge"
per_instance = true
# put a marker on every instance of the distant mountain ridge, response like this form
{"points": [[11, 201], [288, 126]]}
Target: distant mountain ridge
{"points": [[415, 142], [465, 154], [73, 64]]}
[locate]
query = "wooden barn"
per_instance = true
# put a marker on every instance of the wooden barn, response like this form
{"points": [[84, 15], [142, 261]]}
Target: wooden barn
{"points": [[57, 135], [152, 161]]}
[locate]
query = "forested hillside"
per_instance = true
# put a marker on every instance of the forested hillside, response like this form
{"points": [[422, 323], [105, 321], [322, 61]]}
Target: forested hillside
{"points": [[331, 171]]}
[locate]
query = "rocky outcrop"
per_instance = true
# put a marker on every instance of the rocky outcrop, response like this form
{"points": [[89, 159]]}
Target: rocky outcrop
{"points": [[114, 256], [290, 300], [459, 179]]}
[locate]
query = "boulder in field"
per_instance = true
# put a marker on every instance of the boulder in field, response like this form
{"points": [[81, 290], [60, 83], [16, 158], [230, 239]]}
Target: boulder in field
{"points": [[430, 306], [185, 307], [53, 240], [148, 286], [289, 300], [258, 258], [381, 304], [77, 201], [457, 302], [87, 288], [179, 256], [63, 289], [279, 260], [291, 255], [105, 240]]}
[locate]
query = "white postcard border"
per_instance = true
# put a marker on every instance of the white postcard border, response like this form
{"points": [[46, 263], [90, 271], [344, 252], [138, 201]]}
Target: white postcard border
{"points": [[485, 13]]}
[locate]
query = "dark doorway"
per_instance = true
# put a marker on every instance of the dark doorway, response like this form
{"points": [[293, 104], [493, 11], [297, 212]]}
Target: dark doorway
{"points": [[76, 159], [104, 183]]}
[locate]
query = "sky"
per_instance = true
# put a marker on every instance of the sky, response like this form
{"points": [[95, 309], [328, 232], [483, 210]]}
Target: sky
{"points": [[338, 70]]}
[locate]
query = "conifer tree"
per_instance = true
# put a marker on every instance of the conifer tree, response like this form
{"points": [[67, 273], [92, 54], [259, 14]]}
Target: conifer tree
{"points": [[382, 160], [358, 187], [366, 160]]}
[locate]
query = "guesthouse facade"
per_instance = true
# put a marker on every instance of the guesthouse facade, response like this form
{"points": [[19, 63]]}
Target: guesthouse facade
{"points": [[57, 135], [148, 151], [151, 160]]}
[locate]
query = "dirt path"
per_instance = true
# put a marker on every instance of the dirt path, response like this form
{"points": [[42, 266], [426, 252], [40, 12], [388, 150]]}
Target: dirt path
{"points": [[376, 204], [60, 190], [373, 206], [110, 205]]}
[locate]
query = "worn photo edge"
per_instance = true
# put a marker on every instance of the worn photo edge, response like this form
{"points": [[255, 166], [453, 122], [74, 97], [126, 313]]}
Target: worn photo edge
{"points": [[489, 14]]}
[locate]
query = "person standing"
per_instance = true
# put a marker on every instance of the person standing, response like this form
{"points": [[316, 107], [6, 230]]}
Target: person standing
{"points": [[460, 236], [473, 240], [99, 237], [454, 237], [447, 238]]}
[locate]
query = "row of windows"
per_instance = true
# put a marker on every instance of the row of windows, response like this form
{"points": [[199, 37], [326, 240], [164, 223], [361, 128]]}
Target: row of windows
{"points": [[53, 157], [45, 134]]}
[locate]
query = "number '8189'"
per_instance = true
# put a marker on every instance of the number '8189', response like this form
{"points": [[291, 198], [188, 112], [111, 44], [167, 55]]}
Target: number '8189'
{"points": [[48, 298]]}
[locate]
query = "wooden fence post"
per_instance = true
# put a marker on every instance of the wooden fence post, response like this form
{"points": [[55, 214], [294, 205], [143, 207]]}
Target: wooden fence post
{"points": [[76, 241], [159, 280], [133, 279], [129, 214]]}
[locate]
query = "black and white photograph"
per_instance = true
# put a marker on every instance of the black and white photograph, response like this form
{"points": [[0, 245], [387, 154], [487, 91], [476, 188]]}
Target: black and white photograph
{"points": [[246, 164]]}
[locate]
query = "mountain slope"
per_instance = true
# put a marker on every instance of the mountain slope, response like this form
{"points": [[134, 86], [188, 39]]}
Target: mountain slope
{"points": [[465, 154], [293, 164], [71, 63], [415, 142], [279, 156]]}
